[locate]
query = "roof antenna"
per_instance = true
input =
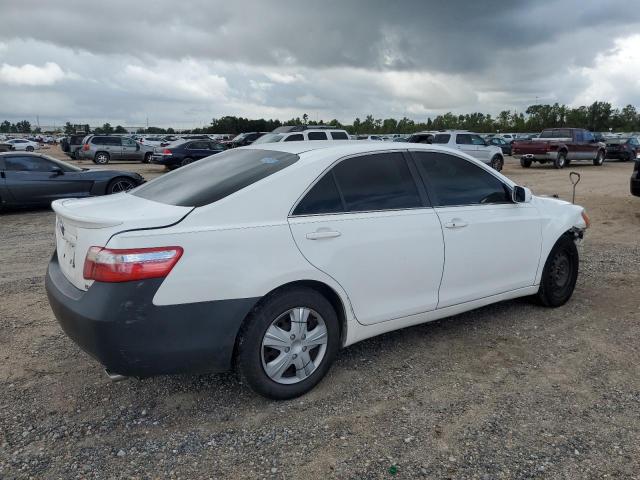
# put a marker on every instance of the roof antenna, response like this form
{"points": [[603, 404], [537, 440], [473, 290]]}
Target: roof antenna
{"points": [[574, 177]]}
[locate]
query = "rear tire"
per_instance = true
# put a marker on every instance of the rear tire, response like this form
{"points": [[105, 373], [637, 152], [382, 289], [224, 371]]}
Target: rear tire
{"points": [[599, 160], [560, 273], [186, 161], [101, 158], [525, 163], [29, 148], [561, 160], [293, 371], [497, 163]]}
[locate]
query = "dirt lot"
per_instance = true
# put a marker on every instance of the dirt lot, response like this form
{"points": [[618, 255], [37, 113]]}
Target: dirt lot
{"points": [[508, 391]]}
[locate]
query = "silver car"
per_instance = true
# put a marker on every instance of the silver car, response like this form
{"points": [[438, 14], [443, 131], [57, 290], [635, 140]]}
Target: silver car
{"points": [[104, 148]]}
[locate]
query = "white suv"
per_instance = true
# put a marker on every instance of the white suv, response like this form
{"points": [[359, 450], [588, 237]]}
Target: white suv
{"points": [[302, 134], [272, 257], [472, 144]]}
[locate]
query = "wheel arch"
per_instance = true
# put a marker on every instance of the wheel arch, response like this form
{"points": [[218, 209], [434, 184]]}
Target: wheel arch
{"points": [[325, 290]]}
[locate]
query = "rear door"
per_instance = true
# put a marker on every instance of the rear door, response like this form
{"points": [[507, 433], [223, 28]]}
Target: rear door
{"points": [[366, 224], [492, 244], [465, 144], [30, 180]]}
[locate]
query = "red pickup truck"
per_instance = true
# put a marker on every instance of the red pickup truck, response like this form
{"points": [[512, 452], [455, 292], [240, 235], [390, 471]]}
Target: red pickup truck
{"points": [[560, 146]]}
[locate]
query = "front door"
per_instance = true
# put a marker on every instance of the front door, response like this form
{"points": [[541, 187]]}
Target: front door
{"points": [[365, 224], [465, 144], [130, 150], [492, 245]]}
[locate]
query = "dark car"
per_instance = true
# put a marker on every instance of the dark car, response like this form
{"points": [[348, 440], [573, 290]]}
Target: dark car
{"points": [[6, 147], [71, 145], [500, 142], [28, 179], [635, 178], [245, 139], [623, 148], [182, 153]]}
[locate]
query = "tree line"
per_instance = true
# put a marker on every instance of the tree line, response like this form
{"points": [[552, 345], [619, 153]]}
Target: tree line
{"points": [[597, 117]]}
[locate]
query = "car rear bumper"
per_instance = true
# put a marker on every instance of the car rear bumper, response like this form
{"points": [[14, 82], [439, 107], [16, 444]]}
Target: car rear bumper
{"points": [[539, 156], [118, 324], [635, 186], [165, 160]]}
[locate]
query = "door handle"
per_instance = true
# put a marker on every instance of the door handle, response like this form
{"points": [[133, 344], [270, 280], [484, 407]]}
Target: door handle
{"points": [[456, 223], [321, 234]]}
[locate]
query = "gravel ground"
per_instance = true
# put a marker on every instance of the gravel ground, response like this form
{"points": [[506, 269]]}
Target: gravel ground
{"points": [[507, 391]]}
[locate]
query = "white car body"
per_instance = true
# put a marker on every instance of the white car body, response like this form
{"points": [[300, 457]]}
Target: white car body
{"points": [[21, 144], [151, 141], [310, 134], [469, 143], [388, 269]]}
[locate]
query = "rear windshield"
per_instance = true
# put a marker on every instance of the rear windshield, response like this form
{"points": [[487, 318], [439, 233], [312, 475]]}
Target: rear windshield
{"points": [[269, 138], [556, 134], [213, 178]]}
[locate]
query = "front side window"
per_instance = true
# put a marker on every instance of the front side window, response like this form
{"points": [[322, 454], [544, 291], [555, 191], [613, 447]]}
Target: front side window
{"points": [[376, 182], [477, 140], [127, 142], [28, 163], [455, 181], [214, 178], [317, 136]]}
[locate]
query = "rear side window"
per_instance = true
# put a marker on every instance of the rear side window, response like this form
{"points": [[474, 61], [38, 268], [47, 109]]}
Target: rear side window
{"points": [[198, 146], [298, 137], [376, 182], [463, 139], [317, 136], [456, 181], [105, 140], [339, 136], [215, 177], [322, 198], [442, 138]]}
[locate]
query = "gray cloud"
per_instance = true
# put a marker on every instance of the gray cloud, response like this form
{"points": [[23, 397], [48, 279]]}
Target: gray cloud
{"points": [[177, 62]]}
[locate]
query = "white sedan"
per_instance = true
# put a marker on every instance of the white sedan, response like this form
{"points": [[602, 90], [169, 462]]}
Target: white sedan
{"points": [[23, 144], [272, 257]]}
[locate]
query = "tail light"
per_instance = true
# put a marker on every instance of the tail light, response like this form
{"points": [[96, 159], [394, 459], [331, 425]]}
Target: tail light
{"points": [[587, 220], [166, 151], [125, 265], [85, 147]]}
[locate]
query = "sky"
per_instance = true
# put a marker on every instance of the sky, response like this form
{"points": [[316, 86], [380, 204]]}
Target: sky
{"points": [[181, 64]]}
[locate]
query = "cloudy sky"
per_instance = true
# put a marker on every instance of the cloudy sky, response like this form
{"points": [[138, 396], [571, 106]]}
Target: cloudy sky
{"points": [[182, 63]]}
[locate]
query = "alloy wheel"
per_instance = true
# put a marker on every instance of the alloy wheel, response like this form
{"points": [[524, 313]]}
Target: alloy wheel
{"points": [[122, 186], [294, 345]]}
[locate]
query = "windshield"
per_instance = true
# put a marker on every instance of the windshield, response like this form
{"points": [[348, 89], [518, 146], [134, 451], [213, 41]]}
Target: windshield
{"points": [[617, 141], [269, 138], [237, 138], [67, 167], [215, 177]]}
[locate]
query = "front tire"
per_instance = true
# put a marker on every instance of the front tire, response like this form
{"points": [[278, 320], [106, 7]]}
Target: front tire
{"points": [[101, 158], [525, 163], [147, 157], [288, 343], [497, 163], [560, 273], [561, 160], [599, 160]]}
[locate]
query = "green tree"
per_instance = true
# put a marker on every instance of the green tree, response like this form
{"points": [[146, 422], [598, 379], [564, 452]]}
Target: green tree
{"points": [[120, 129], [69, 129]]}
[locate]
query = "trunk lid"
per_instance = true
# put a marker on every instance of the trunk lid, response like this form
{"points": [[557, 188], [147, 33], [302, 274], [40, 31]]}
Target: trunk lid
{"points": [[84, 223]]}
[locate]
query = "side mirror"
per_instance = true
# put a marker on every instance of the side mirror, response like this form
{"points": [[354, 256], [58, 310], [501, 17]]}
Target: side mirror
{"points": [[57, 171], [521, 194]]}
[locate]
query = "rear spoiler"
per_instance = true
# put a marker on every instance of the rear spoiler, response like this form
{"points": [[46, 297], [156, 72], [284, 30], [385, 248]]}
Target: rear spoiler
{"points": [[59, 207]]}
